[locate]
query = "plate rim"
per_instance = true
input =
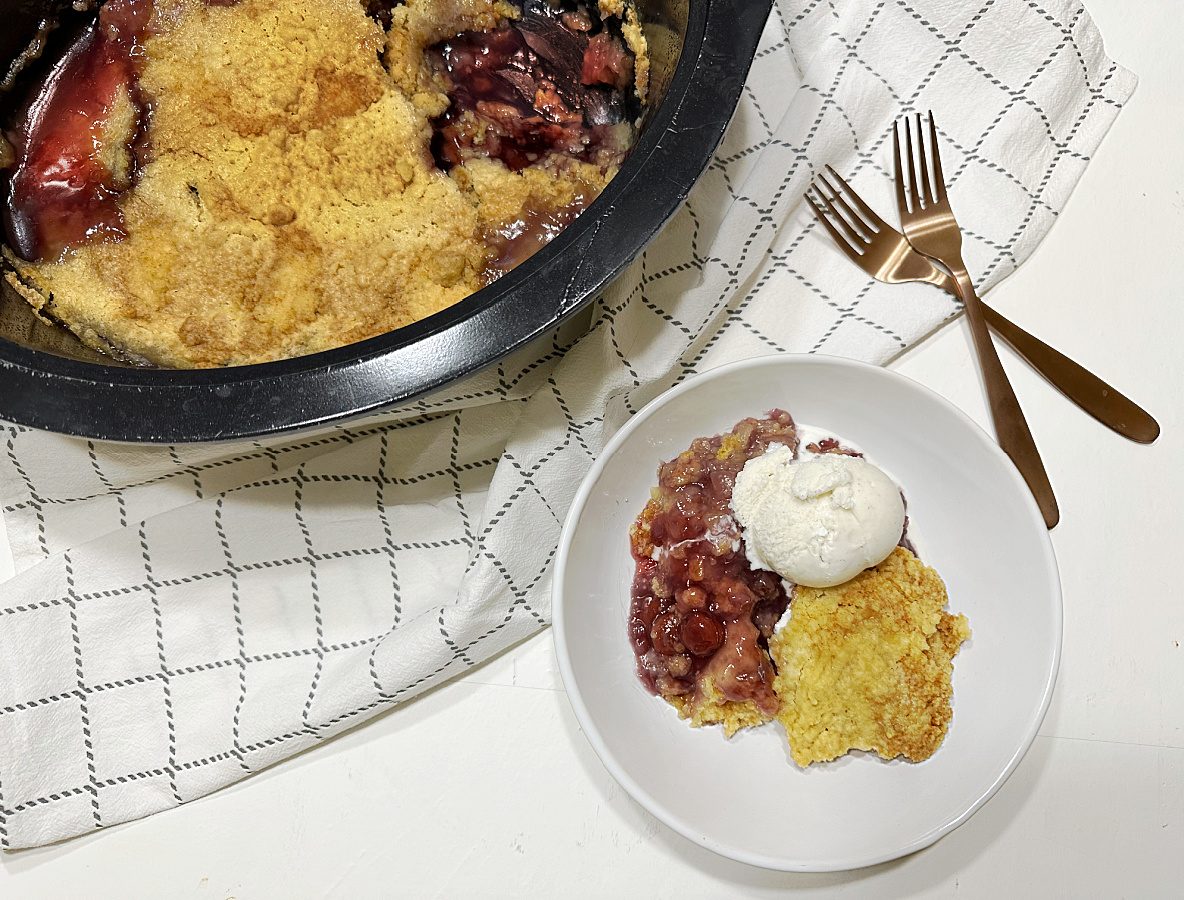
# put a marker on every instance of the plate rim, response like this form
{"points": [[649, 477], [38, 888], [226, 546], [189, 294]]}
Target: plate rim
{"points": [[591, 732]]}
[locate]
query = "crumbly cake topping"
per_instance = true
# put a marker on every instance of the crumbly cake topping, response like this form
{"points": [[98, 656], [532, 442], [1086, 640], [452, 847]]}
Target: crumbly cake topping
{"points": [[867, 665], [291, 202]]}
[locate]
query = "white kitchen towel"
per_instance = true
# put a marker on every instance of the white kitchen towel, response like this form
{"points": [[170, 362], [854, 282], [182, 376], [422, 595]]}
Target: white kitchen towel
{"points": [[182, 617]]}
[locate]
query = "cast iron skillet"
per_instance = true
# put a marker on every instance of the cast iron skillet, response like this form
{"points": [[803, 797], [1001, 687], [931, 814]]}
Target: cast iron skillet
{"points": [[702, 50]]}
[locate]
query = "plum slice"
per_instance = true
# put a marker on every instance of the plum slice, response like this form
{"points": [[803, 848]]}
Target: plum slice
{"points": [[80, 138]]}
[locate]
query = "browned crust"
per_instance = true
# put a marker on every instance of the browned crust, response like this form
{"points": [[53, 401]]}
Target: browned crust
{"points": [[867, 665]]}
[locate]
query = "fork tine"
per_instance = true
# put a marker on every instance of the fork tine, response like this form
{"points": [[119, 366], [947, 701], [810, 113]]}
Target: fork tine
{"points": [[868, 214], [922, 158], [852, 233], [939, 181], [911, 151], [902, 197], [840, 207], [839, 239]]}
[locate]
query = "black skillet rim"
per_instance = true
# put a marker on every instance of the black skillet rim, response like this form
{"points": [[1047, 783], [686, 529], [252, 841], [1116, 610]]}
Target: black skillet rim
{"points": [[40, 390]]}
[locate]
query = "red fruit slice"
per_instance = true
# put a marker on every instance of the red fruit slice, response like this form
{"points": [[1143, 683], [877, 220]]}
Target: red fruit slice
{"points": [[75, 140]]}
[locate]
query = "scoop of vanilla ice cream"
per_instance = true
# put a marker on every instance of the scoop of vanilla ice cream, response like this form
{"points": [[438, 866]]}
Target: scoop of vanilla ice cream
{"points": [[820, 521]]}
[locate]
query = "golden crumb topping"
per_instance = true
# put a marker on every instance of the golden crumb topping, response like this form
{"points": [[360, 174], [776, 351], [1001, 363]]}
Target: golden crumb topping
{"points": [[708, 706], [281, 213], [291, 202], [867, 665]]}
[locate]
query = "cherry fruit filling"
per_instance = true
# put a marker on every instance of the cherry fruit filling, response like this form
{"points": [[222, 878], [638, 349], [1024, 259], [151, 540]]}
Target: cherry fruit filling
{"points": [[553, 84], [697, 606], [537, 85]]}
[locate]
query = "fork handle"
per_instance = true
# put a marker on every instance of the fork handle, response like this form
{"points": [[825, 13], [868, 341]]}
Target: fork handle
{"points": [[1106, 404], [1011, 428]]}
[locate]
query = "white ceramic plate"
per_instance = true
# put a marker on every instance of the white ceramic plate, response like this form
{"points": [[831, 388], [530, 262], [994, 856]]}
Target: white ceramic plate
{"points": [[979, 528]]}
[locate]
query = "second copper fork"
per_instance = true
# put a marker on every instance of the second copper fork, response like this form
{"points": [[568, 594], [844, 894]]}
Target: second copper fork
{"points": [[929, 224], [886, 255]]}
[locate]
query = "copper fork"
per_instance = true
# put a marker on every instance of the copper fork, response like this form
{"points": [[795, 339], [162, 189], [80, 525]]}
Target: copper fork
{"points": [[886, 255], [931, 228]]}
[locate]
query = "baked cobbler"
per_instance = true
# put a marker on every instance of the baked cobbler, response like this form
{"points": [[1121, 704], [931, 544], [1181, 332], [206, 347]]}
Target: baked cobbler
{"points": [[200, 183], [865, 659]]}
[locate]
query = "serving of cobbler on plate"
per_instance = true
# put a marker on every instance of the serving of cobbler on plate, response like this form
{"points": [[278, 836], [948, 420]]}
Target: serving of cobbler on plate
{"points": [[775, 580], [200, 183]]}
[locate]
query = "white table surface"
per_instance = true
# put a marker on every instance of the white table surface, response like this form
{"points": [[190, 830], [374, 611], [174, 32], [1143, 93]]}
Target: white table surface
{"points": [[487, 787]]}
